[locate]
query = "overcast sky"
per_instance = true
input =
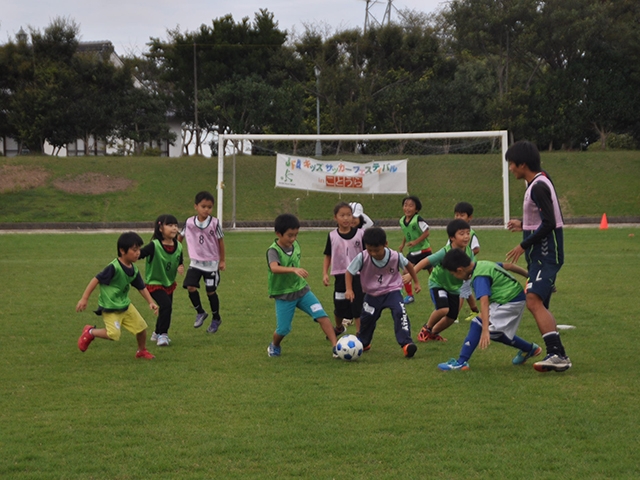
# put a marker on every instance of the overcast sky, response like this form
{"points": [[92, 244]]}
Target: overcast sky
{"points": [[129, 24]]}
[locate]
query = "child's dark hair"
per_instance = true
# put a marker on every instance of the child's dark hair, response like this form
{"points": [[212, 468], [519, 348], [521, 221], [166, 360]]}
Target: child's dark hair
{"points": [[165, 219], [463, 207], [415, 200], [455, 225], [524, 152], [204, 195], [284, 222], [374, 237], [340, 205], [128, 240], [455, 259]]}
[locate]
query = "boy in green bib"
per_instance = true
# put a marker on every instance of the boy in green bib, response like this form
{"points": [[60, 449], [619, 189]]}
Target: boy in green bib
{"points": [[114, 304], [287, 284], [415, 233], [502, 303]]}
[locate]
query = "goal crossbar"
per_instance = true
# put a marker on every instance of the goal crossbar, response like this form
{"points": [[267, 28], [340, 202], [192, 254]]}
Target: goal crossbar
{"points": [[502, 135]]}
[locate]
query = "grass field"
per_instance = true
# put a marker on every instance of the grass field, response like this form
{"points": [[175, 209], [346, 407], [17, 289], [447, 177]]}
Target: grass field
{"points": [[215, 406], [589, 184]]}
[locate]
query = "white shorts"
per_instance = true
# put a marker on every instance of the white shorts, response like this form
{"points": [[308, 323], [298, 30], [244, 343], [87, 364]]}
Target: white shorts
{"points": [[505, 318]]}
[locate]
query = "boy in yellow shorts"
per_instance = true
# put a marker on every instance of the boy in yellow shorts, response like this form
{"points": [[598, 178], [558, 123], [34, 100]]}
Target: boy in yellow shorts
{"points": [[113, 303]]}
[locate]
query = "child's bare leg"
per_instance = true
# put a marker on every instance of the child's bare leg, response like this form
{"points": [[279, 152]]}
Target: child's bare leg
{"points": [[100, 333], [327, 328], [442, 325], [277, 339], [436, 316], [141, 337]]}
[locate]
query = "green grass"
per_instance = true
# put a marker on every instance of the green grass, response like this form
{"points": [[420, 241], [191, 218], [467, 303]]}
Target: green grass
{"points": [[589, 184], [218, 407]]}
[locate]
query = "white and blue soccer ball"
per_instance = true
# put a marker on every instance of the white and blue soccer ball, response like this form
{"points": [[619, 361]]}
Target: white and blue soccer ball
{"points": [[349, 347]]}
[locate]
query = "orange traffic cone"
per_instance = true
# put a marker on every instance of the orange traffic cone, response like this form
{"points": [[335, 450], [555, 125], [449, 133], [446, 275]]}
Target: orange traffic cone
{"points": [[604, 224]]}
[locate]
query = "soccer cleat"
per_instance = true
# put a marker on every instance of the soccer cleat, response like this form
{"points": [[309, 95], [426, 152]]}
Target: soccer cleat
{"points": [[522, 357], [86, 338], [453, 365], [409, 350], [335, 352], [435, 337], [200, 318], [215, 324], [145, 354], [367, 348], [409, 299], [471, 316], [154, 337], [553, 362], [424, 333], [163, 340], [273, 351], [347, 322]]}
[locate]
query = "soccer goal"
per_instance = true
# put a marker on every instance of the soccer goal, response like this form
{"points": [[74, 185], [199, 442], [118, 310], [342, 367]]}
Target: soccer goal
{"points": [[443, 168]]}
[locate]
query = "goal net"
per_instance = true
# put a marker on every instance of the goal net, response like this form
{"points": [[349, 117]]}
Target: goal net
{"points": [[442, 170]]}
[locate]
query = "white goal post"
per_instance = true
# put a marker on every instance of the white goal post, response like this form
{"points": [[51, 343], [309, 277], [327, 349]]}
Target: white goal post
{"points": [[501, 135]]}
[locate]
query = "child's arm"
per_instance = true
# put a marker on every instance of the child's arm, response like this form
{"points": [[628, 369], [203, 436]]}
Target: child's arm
{"points": [[512, 267], [222, 264], [147, 296], [348, 281], [414, 277], [476, 250], [422, 264], [424, 235], [82, 304], [485, 338], [404, 241], [277, 268], [325, 270]]}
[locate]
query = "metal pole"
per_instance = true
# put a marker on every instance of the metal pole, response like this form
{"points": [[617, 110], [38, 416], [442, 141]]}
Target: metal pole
{"points": [[195, 98], [316, 70]]}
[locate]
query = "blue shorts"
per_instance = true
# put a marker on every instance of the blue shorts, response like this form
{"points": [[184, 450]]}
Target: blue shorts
{"points": [[285, 309], [542, 278]]}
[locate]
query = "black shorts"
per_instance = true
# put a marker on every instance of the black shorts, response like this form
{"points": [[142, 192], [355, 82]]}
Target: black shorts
{"points": [[443, 299], [415, 257], [192, 279], [344, 308]]}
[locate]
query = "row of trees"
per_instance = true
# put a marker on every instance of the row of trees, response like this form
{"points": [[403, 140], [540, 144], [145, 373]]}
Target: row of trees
{"points": [[560, 72], [50, 89]]}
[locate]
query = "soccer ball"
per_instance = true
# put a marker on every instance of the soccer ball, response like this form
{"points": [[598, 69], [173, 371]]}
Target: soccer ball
{"points": [[349, 347]]}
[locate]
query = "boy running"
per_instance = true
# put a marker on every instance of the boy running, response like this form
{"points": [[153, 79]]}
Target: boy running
{"points": [[114, 304]]}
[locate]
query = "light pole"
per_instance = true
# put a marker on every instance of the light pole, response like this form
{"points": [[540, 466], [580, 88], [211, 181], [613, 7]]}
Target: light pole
{"points": [[316, 70]]}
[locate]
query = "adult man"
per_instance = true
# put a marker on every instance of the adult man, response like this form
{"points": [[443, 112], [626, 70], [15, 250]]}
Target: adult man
{"points": [[543, 246]]}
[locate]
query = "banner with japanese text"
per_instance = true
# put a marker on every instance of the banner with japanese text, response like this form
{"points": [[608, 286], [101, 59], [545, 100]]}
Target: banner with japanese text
{"points": [[302, 173]]}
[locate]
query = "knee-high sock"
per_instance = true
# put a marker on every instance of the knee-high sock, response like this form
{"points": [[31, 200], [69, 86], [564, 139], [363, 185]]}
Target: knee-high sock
{"points": [[471, 342], [214, 302], [517, 342], [195, 301]]}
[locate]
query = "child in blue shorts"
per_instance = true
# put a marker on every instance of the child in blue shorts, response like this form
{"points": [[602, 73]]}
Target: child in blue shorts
{"points": [[287, 284]]}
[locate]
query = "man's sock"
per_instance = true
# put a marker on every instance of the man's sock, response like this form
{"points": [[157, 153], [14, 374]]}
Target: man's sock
{"points": [[553, 343]]}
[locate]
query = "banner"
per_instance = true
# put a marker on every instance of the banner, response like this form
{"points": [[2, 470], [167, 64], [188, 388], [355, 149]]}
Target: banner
{"points": [[301, 173]]}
